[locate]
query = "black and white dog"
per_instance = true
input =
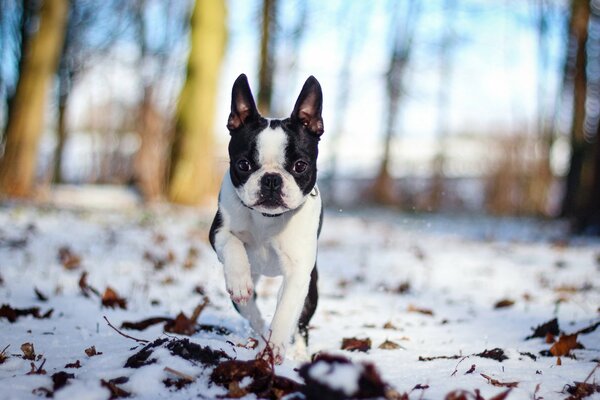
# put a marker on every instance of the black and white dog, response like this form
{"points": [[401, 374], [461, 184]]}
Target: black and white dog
{"points": [[270, 211]]}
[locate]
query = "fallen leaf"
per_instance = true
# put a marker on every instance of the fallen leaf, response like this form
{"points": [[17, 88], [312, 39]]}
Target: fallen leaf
{"points": [[3, 355], [542, 330], [68, 258], [142, 357], [183, 325], [504, 303], [414, 309], [12, 314], [60, 379], [115, 391], [354, 344], [565, 344], [264, 382], [496, 382], [191, 258], [495, 354], [28, 351], [159, 262], [76, 364], [549, 338], [111, 299], [91, 351], [389, 325], [470, 370], [580, 390], [389, 345]]}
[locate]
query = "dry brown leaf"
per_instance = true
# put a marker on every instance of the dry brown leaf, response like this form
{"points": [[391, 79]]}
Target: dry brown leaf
{"points": [[76, 364], [91, 351], [389, 325], [496, 382], [354, 344], [565, 344], [504, 303], [420, 310], [68, 258], [28, 351], [3, 355], [183, 325], [389, 345], [111, 299]]}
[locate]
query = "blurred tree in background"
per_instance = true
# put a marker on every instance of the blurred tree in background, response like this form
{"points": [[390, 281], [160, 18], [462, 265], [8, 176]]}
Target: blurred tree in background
{"points": [[37, 67], [192, 158], [582, 194]]}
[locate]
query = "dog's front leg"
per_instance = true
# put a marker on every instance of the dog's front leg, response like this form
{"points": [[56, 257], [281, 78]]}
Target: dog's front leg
{"points": [[233, 256], [293, 292]]}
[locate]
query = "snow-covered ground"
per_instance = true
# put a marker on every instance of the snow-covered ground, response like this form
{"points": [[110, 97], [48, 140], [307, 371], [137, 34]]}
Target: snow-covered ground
{"points": [[429, 284]]}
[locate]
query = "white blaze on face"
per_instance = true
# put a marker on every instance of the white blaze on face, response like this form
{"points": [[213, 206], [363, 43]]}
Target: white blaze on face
{"points": [[271, 145]]}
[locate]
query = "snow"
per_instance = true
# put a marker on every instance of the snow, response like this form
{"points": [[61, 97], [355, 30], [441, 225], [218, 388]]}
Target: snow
{"points": [[457, 267]]}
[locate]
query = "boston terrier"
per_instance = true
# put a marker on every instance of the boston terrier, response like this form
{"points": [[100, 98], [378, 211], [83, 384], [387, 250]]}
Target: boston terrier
{"points": [[270, 212]]}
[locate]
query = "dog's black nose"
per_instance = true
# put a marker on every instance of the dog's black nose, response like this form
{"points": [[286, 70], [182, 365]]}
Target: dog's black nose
{"points": [[271, 182]]}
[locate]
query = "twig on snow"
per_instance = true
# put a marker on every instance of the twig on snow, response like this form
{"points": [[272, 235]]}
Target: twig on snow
{"points": [[123, 334]]}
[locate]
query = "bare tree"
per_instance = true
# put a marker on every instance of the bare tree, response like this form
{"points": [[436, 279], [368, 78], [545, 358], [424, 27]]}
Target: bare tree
{"points": [[26, 116], [267, 56], [192, 169], [448, 39], [151, 125], [402, 24], [576, 182]]}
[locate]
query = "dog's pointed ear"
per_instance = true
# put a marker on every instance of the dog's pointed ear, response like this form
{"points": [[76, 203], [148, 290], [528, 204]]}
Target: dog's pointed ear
{"points": [[309, 105], [243, 108]]}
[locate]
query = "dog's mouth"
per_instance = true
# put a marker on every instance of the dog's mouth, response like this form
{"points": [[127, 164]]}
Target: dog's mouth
{"points": [[272, 202]]}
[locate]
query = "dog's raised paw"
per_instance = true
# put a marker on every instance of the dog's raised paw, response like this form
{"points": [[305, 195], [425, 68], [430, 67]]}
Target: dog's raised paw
{"points": [[240, 289]]}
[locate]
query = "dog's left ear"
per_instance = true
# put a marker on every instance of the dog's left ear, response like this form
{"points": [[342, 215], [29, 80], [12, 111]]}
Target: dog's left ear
{"points": [[309, 105]]}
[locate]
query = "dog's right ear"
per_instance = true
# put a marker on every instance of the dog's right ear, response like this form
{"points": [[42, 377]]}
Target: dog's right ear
{"points": [[243, 108]]}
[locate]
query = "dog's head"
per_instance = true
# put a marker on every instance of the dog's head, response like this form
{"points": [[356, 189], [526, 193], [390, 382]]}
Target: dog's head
{"points": [[273, 162]]}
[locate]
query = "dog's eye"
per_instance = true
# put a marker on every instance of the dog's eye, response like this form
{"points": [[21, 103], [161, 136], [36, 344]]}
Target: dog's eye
{"points": [[300, 166], [244, 165]]}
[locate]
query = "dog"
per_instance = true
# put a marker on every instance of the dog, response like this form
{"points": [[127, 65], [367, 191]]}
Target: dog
{"points": [[270, 212]]}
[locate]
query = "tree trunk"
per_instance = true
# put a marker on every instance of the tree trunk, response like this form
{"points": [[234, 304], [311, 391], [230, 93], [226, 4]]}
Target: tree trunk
{"points": [[572, 202], [403, 32], [61, 137], [149, 163], [267, 56], [192, 169], [25, 124], [438, 163]]}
